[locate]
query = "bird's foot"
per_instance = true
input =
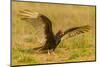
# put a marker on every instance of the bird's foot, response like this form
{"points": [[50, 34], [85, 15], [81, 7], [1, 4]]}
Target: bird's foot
{"points": [[49, 52], [54, 53]]}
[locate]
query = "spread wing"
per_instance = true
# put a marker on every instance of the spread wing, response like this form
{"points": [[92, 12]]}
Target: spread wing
{"points": [[41, 24], [76, 31]]}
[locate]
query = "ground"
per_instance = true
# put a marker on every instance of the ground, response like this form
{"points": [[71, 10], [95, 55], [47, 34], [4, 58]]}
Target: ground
{"points": [[75, 49]]}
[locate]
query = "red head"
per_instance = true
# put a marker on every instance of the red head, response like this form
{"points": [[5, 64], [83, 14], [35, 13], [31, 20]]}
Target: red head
{"points": [[60, 33]]}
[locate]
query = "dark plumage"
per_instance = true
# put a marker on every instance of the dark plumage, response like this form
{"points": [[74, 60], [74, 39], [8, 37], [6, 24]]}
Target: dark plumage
{"points": [[45, 34]]}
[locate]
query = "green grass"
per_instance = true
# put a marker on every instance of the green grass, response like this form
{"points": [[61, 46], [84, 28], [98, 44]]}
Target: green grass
{"points": [[78, 48], [20, 58]]}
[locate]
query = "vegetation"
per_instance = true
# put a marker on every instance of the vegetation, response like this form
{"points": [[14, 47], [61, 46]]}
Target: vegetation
{"points": [[75, 49]]}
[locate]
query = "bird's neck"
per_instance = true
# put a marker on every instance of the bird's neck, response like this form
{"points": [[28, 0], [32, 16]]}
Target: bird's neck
{"points": [[57, 39]]}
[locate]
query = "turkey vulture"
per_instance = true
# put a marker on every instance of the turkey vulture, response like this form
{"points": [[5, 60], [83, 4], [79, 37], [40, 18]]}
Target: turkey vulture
{"points": [[44, 33]]}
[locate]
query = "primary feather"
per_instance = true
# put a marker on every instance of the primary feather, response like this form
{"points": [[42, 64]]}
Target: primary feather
{"points": [[76, 31]]}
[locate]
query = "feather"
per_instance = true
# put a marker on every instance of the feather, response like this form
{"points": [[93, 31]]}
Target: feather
{"points": [[43, 30], [41, 23], [76, 31]]}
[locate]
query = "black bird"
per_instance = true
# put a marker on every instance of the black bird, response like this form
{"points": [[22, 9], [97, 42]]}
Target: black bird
{"points": [[44, 33]]}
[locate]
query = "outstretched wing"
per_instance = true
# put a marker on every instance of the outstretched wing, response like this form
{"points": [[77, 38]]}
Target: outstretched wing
{"points": [[41, 24], [76, 31]]}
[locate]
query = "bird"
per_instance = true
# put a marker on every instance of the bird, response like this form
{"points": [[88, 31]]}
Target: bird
{"points": [[44, 32]]}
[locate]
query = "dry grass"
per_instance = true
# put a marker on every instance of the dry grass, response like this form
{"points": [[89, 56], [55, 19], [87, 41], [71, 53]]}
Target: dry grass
{"points": [[78, 48]]}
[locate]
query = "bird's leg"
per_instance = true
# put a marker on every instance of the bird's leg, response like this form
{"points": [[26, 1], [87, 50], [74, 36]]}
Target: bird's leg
{"points": [[53, 53], [48, 52]]}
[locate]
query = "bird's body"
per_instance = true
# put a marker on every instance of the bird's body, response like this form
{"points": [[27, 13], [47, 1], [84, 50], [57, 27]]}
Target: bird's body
{"points": [[44, 30]]}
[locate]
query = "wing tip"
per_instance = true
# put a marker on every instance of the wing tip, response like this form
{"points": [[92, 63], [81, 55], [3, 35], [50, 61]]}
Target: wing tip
{"points": [[29, 14]]}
